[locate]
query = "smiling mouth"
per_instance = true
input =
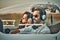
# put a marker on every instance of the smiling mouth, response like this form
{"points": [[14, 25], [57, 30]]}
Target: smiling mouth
{"points": [[35, 20]]}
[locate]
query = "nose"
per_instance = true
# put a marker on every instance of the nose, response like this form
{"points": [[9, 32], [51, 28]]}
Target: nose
{"points": [[33, 17]]}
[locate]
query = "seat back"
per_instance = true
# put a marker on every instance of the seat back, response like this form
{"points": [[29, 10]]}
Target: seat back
{"points": [[54, 28], [1, 26]]}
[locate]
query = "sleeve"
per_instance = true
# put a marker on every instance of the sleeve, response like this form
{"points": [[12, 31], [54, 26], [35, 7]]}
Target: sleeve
{"points": [[25, 30], [45, 31]]}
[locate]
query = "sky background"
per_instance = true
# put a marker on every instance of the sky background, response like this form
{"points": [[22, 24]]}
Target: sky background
{"points": [[5, 3], [16, 5]]}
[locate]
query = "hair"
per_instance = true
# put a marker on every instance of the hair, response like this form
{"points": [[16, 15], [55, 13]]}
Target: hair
{"points": [[30, 15], [42, 12]]}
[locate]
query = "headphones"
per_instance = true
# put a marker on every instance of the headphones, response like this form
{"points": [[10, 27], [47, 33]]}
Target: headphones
{"points": [[30, 17], [42, 13]]}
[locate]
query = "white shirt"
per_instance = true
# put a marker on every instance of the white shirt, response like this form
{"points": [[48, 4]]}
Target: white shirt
{"points": [[40, 30]]}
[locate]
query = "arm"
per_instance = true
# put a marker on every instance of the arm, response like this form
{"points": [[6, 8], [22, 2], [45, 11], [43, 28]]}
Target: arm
{"points": [[26, 29], [45, 31], [14, 31], [23, 30]]}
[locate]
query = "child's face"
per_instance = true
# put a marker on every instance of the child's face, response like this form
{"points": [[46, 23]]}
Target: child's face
{"points": [[25, 16], [24, 19]]}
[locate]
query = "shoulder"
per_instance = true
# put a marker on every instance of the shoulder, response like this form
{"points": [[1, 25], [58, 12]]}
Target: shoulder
{"points": [[45, 29]]}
